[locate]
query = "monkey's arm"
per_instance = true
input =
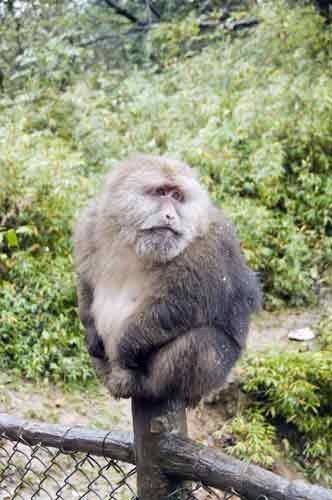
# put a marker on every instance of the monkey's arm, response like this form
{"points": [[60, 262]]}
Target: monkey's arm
{"points": [[173, 314], [84, 250], [85, 298]]}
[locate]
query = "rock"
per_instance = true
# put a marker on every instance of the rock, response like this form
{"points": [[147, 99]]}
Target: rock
{"points": [[302, 334]]}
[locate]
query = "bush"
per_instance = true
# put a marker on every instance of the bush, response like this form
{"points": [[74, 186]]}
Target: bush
{"points": [[39, 329], [40, 335], [293, 391], [252, 112], [290, 400], [255, 439]]}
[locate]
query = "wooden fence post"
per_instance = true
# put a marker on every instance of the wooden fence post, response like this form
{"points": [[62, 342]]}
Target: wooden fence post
{"points": [[150, 420]]}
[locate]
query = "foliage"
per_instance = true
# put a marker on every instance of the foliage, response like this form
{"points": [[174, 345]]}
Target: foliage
{"points": [[251, 111], [324, 330], [293, 388], [39, 324], [40, 42], [52, 44], [39, 327], [290, 404], [255, 439], [170, 40]]}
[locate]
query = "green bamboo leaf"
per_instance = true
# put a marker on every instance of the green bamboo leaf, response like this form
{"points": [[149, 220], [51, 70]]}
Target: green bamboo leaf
{"points": [[11, 238]]}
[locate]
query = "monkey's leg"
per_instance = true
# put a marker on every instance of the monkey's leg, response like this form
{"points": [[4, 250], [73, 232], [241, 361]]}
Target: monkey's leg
{"points": [[190, 366]]}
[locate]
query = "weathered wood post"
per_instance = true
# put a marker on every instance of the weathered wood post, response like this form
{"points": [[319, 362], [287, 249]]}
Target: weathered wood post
{"points": [[150, 421]]}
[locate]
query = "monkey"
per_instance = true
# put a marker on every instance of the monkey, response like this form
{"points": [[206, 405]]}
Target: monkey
{"points": [[164, 293]]}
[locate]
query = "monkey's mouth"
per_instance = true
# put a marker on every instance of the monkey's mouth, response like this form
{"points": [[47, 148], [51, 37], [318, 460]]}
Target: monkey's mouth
{"points": [[166, 230]]}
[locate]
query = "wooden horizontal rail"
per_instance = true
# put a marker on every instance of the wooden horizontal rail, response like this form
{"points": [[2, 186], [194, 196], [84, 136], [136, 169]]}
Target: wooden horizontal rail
{"points": [[177, 456], [114, 444], [189, 460]]}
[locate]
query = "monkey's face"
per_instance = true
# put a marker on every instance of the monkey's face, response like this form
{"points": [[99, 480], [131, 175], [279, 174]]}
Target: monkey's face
{"points": [[161, 235], [160, 207]]}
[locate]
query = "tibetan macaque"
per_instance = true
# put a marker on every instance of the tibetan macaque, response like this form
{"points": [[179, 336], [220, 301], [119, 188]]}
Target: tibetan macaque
{"points": [[164, 292]]}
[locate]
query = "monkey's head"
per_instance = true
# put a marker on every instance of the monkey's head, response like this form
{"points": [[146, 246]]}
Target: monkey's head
{"points": [[156, 204]]}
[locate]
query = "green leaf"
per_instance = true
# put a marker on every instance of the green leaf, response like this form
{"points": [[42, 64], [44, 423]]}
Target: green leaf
{"points": [[11, 238]]}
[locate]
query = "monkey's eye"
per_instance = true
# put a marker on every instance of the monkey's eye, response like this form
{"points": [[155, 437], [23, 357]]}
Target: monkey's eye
{"points": [[161, 191], [174, 192], [177, 195]]}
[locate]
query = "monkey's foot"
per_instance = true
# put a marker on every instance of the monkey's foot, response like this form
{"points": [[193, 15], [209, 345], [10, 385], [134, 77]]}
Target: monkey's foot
{"points": [[123, 383]]}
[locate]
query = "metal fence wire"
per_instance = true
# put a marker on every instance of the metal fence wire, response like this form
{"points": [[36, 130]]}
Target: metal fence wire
{"points": [[39, 472], [47, 473], [56, 462], [36, 464]]}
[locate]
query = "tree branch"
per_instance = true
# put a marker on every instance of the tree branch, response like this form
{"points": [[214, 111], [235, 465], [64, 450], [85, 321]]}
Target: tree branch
{"points": [[242, 23], [150, 7], [154, 11], [124, 12]]}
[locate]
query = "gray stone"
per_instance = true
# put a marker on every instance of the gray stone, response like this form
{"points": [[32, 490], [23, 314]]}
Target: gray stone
{"points": [[302, 334]]}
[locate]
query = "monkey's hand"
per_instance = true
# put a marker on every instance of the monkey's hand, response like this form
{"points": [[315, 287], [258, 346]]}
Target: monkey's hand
{"points": [[123, 383], [96, 350], [95, 343]]}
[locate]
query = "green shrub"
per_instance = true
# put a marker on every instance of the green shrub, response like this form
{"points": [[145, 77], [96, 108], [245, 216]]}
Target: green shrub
{"points": [[294, 388], [40, 334], [171, 40], [288, 414], [39, 329], [324, 330], [255, 439]]}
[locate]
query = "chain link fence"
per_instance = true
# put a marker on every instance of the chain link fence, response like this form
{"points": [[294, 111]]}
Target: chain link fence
{"points": [[45, 473], [51, 462]]}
